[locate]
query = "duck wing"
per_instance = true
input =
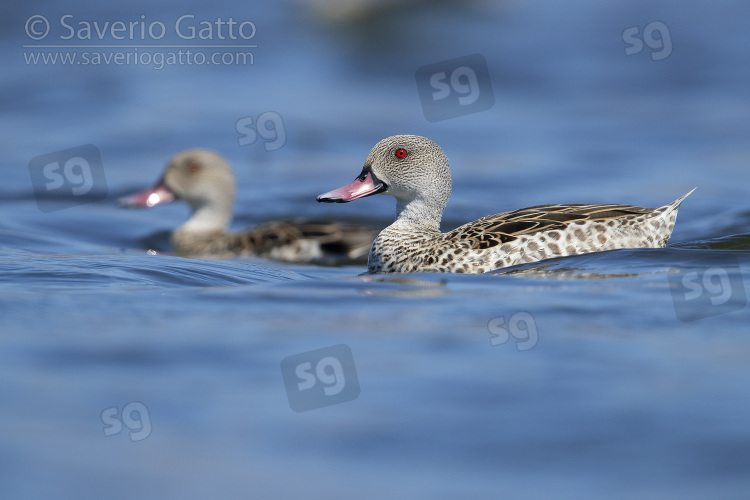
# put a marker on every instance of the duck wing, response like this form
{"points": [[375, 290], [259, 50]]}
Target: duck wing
{"points": [[497, 229], [309, 239]]}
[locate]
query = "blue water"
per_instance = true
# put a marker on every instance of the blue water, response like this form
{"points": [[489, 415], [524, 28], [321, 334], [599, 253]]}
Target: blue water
{"points": [[619, 384]]}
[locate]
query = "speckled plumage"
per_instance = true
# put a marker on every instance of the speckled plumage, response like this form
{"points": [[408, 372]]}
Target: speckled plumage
{"points": [[205, 181], [289, 241], [420, 181]]}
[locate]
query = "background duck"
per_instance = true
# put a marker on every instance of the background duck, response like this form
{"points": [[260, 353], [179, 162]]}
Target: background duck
{"points": [[204, 180], [415, 171]]}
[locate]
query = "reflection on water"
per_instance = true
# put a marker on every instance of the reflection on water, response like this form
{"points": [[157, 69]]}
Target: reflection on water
{"points": [[406, 286]]}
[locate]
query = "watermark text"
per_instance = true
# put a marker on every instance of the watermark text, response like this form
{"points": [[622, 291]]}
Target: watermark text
{"points": [[655, 36], [269, 126], [134, 416], [455, 87], [520, 326], [139, 42], [319, 378]]}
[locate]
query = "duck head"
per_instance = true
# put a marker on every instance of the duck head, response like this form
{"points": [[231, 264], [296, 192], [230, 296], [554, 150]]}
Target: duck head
{"points": [[411, 168], [199, 177]]}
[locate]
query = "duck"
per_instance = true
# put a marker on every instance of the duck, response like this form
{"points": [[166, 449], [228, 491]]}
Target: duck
{"points": [[204, 180], [415, 171]]}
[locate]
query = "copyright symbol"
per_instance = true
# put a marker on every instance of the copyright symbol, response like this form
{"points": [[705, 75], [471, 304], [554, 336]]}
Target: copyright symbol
{"points": [[37, 27]]}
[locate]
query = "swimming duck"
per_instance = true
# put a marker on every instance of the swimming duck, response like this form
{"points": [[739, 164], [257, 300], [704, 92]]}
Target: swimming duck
{"points": [[205, 181], [415, 171]]}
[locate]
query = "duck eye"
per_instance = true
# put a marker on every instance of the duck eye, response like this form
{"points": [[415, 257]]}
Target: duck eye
{"points": [[401, 153], [194, 167]]}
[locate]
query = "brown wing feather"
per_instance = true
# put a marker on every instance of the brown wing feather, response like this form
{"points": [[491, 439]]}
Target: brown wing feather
{"points": [[334, 238], [497, 229]]}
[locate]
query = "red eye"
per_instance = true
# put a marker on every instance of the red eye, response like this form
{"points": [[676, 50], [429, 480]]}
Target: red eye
{"points": [[194, 167], [401, 153]]}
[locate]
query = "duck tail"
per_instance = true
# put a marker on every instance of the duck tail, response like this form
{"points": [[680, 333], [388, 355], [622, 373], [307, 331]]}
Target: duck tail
{"points": [[676, 203]]}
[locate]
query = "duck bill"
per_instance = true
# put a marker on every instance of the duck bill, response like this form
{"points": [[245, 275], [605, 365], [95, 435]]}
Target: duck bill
{"points": [[358, 188], [148, 198]]}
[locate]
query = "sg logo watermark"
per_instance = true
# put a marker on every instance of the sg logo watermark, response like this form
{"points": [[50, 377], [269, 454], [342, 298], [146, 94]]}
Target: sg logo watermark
{"points": [[699, 293], [134, 416], [521, 326], [319, 378], [68, 178], [456, 87], [661, 46], [269, 126]]}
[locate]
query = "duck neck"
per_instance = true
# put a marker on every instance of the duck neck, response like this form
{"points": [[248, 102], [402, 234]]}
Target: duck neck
{"points": [[416, 215], [208, 217]]}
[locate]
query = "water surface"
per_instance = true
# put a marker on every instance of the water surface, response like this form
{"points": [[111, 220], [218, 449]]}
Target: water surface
{"points": [[623, 384]]}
